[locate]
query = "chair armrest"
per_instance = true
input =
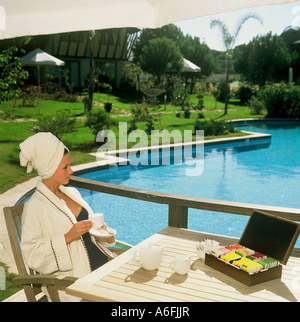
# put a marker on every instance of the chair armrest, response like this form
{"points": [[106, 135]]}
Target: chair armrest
{"points": [[117, 250], [59, 281]]}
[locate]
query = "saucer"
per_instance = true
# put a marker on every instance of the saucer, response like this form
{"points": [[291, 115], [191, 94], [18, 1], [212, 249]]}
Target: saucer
{"points": [[100, 232]]}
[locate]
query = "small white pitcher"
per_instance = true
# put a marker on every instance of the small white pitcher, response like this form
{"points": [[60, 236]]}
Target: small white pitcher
{"points": [[181, 264], [149, 256]]}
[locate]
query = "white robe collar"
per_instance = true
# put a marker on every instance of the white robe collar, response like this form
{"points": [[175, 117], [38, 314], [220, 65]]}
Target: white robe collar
{"points": [[52, 198]]}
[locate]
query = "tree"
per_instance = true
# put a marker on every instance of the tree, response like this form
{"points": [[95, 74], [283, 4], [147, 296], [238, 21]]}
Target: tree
{"points": [[91, 84], [264, 59], [160, 57], [228, 42], [132, 73], [200, 55], [11, 74], [169, 31]]}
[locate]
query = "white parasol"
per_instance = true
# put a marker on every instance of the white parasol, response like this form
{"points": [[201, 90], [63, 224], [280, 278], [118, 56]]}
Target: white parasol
{"points": [[38, 58], [190, 67]]}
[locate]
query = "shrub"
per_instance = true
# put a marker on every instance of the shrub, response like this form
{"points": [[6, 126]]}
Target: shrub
{"points": [[181, 97], [214, 128], [256, 106], [281, 100], [98, 121], [223, 89], [141, 114], [57, 125], [200, 97], [30, 96], [244, 94], [108, 107], [187, 113], [60, 95], [149, 125], [132, 126]]}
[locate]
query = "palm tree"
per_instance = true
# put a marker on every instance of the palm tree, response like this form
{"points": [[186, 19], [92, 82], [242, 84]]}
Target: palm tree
{"points": [[91, 84], [228, 42]]}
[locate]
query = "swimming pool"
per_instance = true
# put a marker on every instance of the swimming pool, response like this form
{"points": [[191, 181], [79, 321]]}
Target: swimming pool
{"points": [[265, 172]]}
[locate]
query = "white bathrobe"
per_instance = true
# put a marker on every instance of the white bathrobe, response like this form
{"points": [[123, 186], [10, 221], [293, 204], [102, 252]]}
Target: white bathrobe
{"points": [[43, 228]]}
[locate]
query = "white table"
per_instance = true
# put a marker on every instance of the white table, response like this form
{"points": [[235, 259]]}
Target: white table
{"points": [[124, 280]]}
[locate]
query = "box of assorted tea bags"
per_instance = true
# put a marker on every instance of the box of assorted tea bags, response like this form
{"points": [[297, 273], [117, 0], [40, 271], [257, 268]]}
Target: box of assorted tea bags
{"points": [[265, 245]]}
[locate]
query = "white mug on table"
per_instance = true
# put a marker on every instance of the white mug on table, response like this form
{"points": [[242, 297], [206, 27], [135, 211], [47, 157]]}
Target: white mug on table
{"points": [[181, 264]]}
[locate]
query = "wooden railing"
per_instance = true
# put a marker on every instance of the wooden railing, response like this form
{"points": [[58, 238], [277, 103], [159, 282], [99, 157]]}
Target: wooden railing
{"points": [[178, 204]]}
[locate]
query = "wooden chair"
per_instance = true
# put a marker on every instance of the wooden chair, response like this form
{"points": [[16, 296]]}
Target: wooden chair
{"points": [[32, 281]]}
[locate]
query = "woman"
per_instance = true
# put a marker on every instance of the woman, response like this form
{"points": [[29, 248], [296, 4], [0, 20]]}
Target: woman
{"points": [[55, 227]]}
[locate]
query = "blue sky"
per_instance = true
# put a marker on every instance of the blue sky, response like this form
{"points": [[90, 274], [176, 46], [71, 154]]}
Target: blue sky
{"points": [[275, 18]]}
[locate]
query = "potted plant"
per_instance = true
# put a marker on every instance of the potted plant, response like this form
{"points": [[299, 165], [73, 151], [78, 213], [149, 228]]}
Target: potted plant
{"points": [[107, 105]]}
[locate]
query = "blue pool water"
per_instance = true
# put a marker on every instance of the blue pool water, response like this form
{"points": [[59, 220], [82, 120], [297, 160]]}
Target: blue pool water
{"points": [[265, 172]]}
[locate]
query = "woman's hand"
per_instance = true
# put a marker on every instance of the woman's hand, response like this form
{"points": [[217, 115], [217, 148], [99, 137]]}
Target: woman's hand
{"points": [[108, 239], [78, 230]]}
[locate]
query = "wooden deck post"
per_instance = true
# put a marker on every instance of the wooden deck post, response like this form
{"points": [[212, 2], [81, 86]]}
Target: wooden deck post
{"points": [[178, 216]]}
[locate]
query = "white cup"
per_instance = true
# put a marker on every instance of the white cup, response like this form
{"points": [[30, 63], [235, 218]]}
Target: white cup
{"points": [[97, 219], [181, 264]]}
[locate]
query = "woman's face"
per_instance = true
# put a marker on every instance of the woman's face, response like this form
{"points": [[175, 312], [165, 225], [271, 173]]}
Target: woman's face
{"points": [[63, 172]]}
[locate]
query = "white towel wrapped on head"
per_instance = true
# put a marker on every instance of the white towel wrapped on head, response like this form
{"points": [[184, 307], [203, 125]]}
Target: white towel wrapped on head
{"points": [[43, 152]]}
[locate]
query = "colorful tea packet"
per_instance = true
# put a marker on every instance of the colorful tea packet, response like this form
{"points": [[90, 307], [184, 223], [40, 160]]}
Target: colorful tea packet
{"points": [[251, 267], [249, 251], [230, 257], [239, 262], [217, 252], [258, 256], [244, 258], [245, 251], [235, 247], [268, 263]]}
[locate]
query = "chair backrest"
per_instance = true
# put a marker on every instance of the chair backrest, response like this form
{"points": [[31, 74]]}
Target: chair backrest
{"points": [[13, 220]]}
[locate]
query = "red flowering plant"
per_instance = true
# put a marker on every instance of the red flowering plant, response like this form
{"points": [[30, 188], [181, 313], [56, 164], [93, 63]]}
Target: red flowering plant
{"points": [[30, 95], [181, 97]]}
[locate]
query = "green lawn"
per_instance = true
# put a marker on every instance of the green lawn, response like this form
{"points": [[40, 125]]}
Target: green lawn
{"points": [[10, 287], [45, 108], [82, 141]]}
